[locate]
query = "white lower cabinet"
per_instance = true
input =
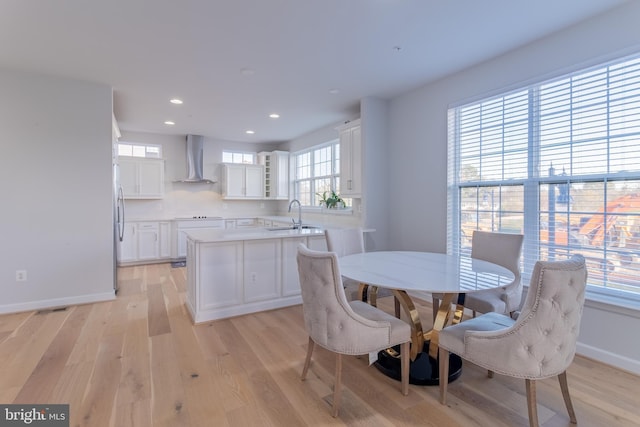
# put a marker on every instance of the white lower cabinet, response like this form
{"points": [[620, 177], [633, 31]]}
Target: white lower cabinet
{"points": [[128, 247], [145, 241], [148, 241], [227, 279]]}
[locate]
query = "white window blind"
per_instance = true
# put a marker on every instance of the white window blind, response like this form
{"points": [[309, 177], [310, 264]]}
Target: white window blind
{"points": [[560, 162]]}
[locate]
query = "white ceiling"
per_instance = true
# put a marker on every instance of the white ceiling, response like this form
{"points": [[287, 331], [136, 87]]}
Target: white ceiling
{"points": [[234, 62]]}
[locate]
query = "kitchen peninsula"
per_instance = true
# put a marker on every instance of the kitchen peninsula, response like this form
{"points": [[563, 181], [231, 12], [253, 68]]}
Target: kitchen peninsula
{"points": [[231, 272]]}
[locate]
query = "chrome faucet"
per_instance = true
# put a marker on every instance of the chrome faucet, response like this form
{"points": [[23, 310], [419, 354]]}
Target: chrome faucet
{"points": [[297, 225]]}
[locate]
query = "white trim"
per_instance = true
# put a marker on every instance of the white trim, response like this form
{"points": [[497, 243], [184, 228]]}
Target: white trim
{"points": [[609, 358], [238, 310], [57, 302]]}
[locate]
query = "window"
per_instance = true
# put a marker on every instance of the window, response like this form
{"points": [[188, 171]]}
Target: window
{"points": [[139, 150], [238, 157], [557, 161], [317, 170]]}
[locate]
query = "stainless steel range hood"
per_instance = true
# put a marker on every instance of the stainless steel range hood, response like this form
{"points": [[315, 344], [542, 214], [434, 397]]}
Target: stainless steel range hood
{"points": [[195, 144]]}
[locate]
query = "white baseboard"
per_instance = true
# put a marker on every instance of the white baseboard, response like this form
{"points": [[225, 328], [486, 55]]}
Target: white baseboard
{"points": [[206, 315], [609, 358], [57, 302]]}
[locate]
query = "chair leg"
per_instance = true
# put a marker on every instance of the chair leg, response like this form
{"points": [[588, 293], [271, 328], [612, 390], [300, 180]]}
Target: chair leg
{"points": [[443, 369], [337, 387], [405, 355], [564, 386], [531, 403], [307, 361], [435, 304]]}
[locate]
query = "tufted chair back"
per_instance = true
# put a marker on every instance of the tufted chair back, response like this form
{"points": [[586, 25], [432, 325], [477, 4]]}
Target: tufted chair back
{"points": [[348, 241], [329, 318], [344, 327], [502, 249], [345, 241], [540, 344]]}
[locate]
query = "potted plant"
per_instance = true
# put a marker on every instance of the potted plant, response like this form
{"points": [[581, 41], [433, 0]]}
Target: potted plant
{"points": [[331, 201]]}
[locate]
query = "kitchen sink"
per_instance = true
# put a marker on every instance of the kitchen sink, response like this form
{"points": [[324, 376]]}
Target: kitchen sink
{"points": [[290, 227]]}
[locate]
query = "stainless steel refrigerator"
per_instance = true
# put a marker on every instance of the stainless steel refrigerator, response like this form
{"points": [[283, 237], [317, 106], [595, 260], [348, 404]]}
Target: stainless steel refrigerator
{"points": [[118, 223]]}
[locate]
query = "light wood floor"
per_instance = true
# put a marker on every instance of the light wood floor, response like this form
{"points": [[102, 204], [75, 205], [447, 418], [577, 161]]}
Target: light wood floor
{"points": [[139, 361]]}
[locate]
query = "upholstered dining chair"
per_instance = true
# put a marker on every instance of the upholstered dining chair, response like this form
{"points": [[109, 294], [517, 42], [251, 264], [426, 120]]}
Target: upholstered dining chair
{"points": [[343, 327], [540, 344], [499, 248], [348, 241]]}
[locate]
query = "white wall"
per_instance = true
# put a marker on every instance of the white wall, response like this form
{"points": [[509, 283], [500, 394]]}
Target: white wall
{"points": [[188, 199], [327, 218], [56, 186], [377, 212], [418, 159]]}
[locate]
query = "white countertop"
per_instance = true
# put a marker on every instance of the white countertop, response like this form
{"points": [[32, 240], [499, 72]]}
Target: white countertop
{"points": [[226, 235]]}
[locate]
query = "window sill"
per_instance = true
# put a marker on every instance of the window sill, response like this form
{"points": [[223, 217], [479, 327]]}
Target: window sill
{"points": [[625, 304], [345, 211]]}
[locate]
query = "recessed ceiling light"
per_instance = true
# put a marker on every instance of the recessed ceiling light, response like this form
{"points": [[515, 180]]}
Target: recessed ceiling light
{"points": [[169, 123], [334, 91], [176, 101], [247, 71], [274, 115], [250, 132]]}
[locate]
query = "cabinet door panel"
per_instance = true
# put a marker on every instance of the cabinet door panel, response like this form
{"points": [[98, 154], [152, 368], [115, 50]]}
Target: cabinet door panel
{"points": [[290, 277], [261, 269], [351, 159], [128, 177], [128, 248], [165, 239], [151, 176], [219, 274], [254, 184], [234, 181], [148, 244]]}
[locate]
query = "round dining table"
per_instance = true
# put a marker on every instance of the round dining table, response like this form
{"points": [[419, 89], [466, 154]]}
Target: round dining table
{"points": [[451, 276]]}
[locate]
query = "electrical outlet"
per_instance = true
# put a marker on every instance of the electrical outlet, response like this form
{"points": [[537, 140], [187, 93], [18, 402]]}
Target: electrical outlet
{"points": [[254, 277], [21, 275]]}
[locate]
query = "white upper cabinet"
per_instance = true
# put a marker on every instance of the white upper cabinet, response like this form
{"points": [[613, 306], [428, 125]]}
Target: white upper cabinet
{"points": [[350, 159], [276, 174], [243, 181], [141, 178]]}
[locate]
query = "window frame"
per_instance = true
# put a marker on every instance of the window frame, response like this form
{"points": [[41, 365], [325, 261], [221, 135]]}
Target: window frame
{"points": [[333, 177], [242, 157], [139, 150], [536, 180]]}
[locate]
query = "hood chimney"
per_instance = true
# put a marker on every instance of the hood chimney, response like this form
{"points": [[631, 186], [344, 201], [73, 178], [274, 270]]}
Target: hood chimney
{"points": [[195, 144]]}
